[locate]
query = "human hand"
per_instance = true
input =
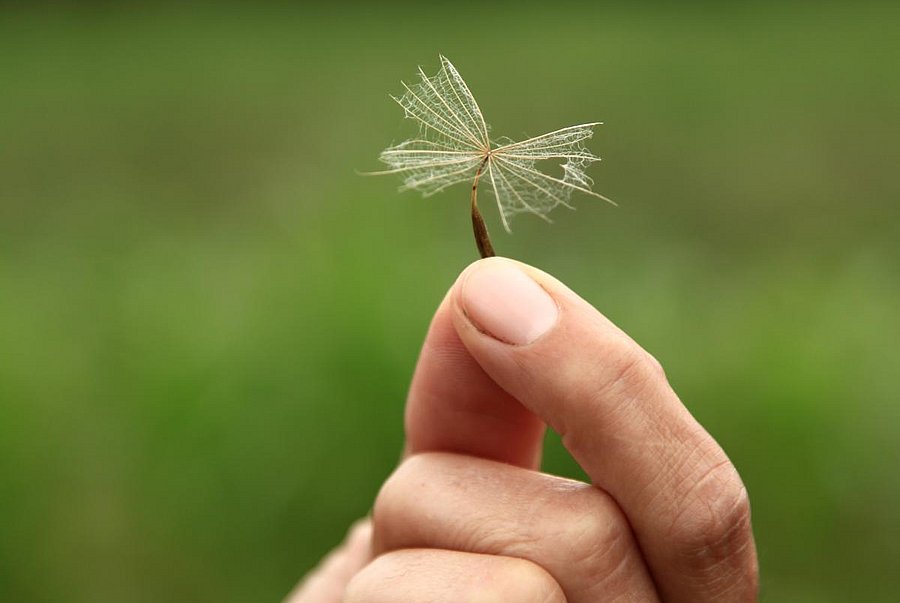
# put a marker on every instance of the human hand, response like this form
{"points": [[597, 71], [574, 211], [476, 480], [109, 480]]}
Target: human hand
{"points": [[467, 516]]}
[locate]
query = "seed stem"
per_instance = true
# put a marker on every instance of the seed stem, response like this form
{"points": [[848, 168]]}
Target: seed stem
{"points": [[482, 238]]}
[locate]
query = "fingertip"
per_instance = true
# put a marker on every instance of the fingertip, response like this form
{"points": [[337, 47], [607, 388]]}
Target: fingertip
{"points": [[501, 298], [453, 405], [360, 532]]}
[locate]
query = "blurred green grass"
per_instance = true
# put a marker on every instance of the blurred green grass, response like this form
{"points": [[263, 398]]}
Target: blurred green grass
{"points": [[208, 320]]}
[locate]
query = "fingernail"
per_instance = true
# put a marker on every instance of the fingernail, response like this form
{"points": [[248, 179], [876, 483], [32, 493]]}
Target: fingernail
{"points": [[503, 301]]}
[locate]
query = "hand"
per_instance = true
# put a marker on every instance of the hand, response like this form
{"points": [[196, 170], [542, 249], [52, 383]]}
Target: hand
{"points": [[468, 517]]}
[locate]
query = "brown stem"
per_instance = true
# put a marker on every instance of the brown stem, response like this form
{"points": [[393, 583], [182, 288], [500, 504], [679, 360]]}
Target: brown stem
{"points": [[482, 238]]}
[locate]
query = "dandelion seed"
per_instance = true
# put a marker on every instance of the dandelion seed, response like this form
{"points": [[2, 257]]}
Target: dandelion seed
{"points": [[453, 147]]}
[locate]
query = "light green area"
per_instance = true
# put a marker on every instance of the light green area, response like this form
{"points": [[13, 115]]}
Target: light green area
{"points": [[208, 321]]}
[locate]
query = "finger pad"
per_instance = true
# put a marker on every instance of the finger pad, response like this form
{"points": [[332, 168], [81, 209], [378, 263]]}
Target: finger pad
{"points": [[454, 406]]}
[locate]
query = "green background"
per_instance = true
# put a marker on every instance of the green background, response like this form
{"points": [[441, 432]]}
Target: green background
{"points": [[208, 320]]}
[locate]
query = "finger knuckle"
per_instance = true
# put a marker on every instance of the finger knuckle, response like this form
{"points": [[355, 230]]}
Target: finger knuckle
{"points": [[595, 535], [628, 370], [655, 367], [385, 576], [395, 493], [523, 582], [712, 534], [367, 585]]}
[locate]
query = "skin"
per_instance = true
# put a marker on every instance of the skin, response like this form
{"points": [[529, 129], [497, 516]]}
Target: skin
{"points": [[468, 517]]}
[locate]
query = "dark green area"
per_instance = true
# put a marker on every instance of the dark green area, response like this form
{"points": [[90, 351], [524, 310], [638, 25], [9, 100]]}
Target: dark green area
{"points": [[208, 321]]}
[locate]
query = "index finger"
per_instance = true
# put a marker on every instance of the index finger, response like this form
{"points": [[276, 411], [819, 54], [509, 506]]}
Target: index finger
{"points": [[454, 406], [620, 420]]}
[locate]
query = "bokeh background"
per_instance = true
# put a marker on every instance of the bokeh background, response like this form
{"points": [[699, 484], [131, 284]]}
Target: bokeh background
{"points": [[208, 320]]}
